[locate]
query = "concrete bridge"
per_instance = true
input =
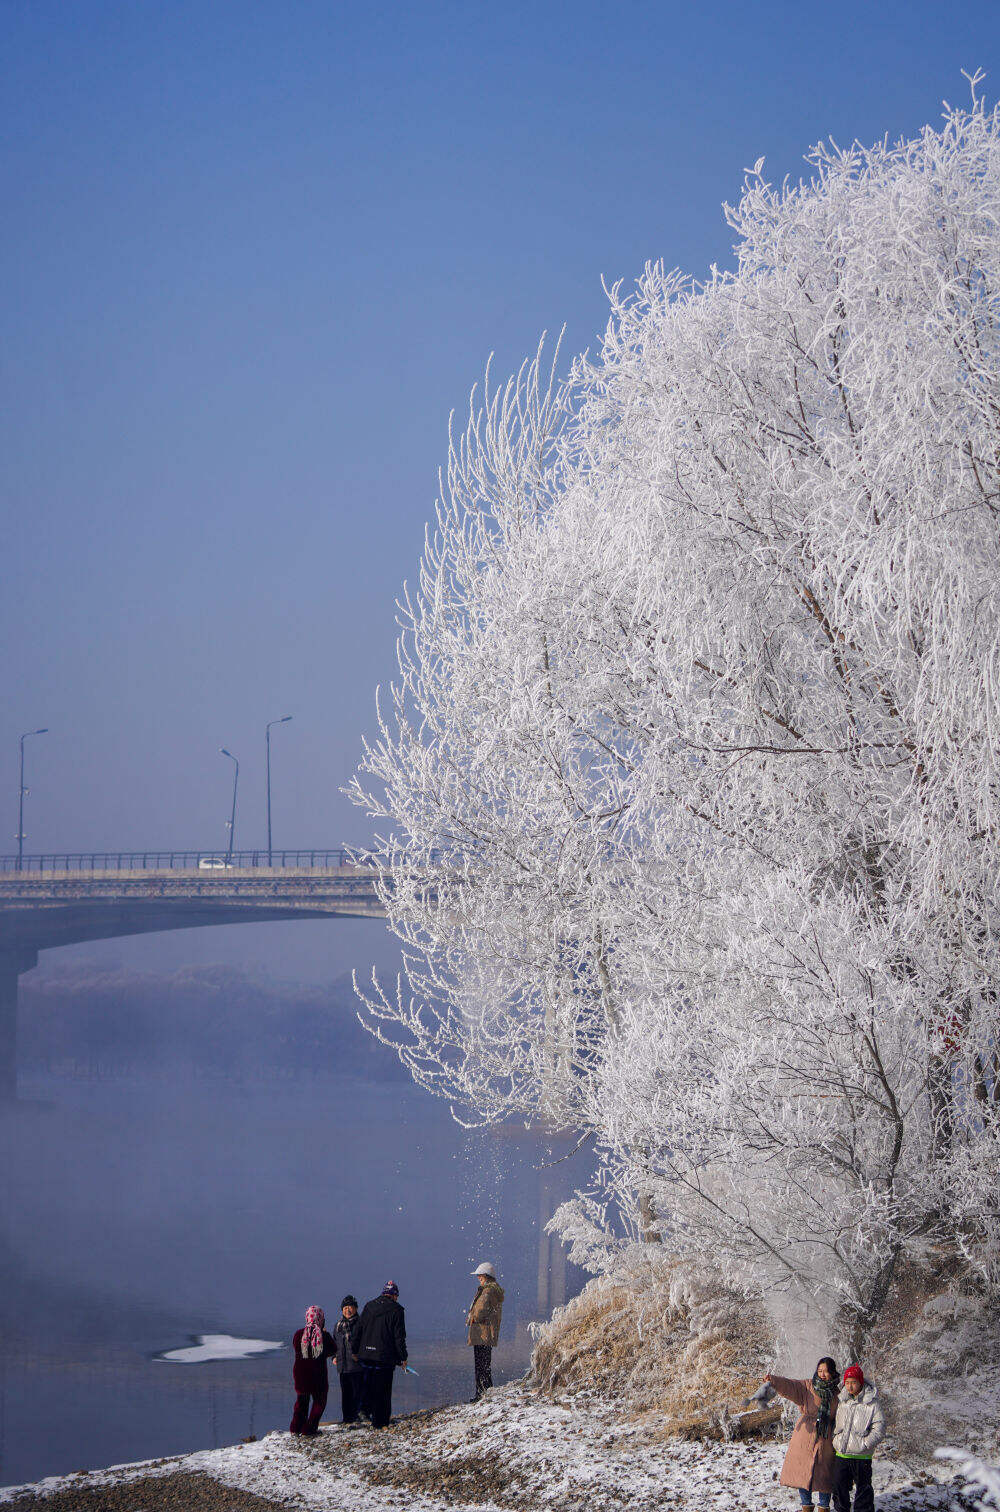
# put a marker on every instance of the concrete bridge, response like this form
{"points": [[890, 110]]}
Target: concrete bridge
{"points": [[48, 901]]}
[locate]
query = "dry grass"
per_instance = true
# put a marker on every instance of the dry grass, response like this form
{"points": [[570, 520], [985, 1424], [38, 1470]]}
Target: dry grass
{"points": [[662, 1340]]}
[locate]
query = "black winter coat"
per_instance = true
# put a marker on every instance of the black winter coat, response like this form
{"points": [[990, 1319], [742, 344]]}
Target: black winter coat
{"points": [[346, 1336], [382, 1336]]}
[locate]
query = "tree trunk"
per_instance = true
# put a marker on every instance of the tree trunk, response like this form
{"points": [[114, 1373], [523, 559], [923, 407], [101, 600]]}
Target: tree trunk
{"points": [[648, 1227]]}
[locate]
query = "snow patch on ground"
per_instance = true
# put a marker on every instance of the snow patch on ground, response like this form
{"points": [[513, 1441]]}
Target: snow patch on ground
{"points": [[217, 1347]]}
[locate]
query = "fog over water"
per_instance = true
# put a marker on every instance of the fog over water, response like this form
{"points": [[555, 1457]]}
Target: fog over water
{"points": [[206, 1151]]}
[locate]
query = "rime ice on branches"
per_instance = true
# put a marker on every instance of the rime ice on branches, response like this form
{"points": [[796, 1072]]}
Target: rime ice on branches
{"points": [[690, 775]]}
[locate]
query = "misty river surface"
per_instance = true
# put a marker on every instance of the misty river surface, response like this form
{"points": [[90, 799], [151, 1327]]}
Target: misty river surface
{"points": [[136, 1214]]}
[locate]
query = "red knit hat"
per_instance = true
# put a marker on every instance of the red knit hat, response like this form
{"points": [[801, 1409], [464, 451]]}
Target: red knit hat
{"points": [[855, 1373]]}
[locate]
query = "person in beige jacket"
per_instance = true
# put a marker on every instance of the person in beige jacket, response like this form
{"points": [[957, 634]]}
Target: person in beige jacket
{"points": [[808, 1466], [484, 1325]]}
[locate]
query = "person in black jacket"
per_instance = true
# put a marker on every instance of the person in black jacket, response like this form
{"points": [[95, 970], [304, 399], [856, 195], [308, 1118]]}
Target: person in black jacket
{"points": [[345, 1336], [313, 1346], [381, 1347]]}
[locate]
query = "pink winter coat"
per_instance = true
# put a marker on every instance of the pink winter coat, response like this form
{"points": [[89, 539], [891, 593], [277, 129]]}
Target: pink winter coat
{"points": [[809, 1462]]}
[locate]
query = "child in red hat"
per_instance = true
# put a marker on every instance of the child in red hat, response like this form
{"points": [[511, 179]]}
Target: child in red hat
{"points": [[857, 1433]]}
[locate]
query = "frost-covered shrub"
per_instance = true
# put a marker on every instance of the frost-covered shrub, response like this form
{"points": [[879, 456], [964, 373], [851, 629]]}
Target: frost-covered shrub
{"points": [[979, 1476], [656, 1334]]}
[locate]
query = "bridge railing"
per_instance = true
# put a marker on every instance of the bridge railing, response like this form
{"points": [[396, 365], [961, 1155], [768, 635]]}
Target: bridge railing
{"points": [[215, 860]]}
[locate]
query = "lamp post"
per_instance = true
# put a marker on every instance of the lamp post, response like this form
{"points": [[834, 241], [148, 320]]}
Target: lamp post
{"points": [[232, 817], [21, 790], [267, 744]]}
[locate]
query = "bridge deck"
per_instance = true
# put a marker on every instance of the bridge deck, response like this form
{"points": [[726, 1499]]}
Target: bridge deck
{"points": [[39, 910], [31, 888]]}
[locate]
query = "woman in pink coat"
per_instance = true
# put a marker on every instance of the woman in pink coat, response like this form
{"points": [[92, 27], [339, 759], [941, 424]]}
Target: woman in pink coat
{"points": [[809, 1462]]}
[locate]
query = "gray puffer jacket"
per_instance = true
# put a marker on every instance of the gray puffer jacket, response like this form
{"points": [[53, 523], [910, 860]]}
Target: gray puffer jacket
{"points": [[860, 1425]]}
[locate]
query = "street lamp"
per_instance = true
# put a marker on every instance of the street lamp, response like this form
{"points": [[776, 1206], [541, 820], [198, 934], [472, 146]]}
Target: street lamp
{"points": [[267, 743], [232, 817], [21, 790]]}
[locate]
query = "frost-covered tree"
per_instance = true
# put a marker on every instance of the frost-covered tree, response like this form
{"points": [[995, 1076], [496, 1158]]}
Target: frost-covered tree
{"points": [[691, 769], [485, 859]]}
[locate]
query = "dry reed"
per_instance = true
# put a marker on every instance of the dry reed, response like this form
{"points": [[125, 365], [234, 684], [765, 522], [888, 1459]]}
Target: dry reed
{"points": [[660, 1338]]}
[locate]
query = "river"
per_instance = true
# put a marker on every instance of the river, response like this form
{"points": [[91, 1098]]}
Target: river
{"points": [[138, 1214]]}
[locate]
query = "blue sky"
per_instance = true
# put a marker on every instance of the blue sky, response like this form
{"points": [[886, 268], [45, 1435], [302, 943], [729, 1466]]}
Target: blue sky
{"points": [[254, 254]]}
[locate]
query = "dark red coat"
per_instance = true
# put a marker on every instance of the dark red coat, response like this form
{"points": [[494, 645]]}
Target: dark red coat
{"points": [[311, 1375]]}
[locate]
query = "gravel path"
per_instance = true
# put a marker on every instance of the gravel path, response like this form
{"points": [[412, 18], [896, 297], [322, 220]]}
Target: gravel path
{"points": [[184, 1491]]}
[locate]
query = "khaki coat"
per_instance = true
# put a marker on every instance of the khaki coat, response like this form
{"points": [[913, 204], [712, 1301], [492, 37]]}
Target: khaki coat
{"points": [[810, 1459], [485, 1313]]}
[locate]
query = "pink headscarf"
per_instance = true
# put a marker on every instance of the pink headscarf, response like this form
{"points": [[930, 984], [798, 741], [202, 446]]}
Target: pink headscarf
{"points": [[312, 1334]]}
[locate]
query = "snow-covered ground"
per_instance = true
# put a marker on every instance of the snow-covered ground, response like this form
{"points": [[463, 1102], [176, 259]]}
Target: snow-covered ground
{"points": [[515, 1450]]}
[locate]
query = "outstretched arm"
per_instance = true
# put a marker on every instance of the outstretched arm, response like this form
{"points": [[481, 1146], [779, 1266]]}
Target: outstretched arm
{"points": [[798, 1392]]}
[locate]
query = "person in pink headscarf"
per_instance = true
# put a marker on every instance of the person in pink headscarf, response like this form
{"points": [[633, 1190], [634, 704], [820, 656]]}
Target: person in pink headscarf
{"points": [[313, 1346]]}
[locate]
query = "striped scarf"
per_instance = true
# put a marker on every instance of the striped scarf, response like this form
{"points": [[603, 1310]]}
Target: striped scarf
{"points": [[827, 1393], [312, 1334]]}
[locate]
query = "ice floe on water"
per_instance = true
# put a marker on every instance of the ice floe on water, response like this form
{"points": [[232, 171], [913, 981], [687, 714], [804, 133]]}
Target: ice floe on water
{"points": [[217, 1347]]}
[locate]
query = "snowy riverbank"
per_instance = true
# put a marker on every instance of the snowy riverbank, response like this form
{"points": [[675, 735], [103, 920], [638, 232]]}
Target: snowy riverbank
{"points": [[517, 1450]]}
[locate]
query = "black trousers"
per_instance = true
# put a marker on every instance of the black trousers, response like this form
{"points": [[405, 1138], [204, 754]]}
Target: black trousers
{"points": [[482, 1355], [376, 1398], [853, 1474], [351, 1382]]}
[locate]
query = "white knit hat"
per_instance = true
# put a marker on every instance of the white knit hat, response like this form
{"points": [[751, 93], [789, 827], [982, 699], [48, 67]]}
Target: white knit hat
{"points": [[485, 1269]]}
